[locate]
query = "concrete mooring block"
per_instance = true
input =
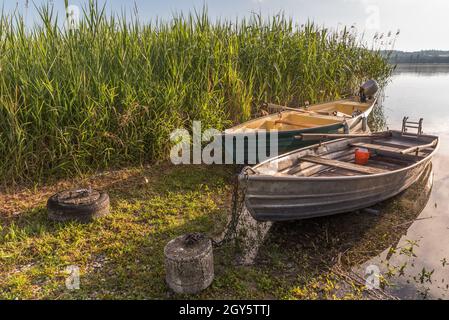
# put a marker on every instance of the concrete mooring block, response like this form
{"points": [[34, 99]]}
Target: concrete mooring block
{"points": [[189, 263]]}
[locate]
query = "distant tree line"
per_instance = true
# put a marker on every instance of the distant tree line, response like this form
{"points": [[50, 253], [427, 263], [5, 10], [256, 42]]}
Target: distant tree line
{"points": [[424, 56]]}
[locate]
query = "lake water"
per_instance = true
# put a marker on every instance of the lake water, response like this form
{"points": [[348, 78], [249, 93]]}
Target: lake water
{"points": [[423, 272]]}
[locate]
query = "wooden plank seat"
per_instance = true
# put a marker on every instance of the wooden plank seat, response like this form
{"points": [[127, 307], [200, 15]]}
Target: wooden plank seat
{"points": [[376, 147], [403, 152], [389, 144], [342, 165]]}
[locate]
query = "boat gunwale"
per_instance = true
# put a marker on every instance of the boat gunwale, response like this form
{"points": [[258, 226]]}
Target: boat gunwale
{"points": [[264, 177]]}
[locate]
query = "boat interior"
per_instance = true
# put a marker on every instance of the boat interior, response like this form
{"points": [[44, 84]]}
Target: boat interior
{"points": [[314, 116], [337, 158], [344, 107], [284, 121]]}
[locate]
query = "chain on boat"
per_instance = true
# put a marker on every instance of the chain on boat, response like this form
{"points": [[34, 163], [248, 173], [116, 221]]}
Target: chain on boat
{"points": [[238, 200]]}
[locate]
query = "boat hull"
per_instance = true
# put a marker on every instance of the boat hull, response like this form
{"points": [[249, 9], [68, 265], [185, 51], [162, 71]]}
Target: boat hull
{"points": [[284, 188], [273, 199]]}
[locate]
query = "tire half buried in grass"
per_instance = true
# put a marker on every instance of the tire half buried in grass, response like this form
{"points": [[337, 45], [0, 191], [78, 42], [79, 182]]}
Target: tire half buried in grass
{"points": [[81, 205]]}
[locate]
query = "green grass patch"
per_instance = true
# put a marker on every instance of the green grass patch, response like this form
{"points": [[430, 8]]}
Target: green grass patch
{"points": [[120, 256]]}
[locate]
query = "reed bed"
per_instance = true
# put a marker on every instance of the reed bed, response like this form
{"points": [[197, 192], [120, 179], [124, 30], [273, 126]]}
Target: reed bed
{"points": [[109, 92]]}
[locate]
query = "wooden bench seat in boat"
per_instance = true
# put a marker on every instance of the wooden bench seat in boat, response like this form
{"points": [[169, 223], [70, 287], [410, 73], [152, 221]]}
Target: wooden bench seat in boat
{"points": [[342, 165], [379, 147], [401, 152]]}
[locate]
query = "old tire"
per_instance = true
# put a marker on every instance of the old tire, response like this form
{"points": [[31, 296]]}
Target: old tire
{"points": [[77, 205]]}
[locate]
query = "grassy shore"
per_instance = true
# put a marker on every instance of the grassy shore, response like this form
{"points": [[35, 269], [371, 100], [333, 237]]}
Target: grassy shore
{"points": [[109, 92], [120, 256], [107, 95]]}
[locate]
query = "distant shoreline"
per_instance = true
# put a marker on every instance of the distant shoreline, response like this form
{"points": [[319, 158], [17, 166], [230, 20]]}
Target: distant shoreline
{"points": [[422, 68], [417, 57]]}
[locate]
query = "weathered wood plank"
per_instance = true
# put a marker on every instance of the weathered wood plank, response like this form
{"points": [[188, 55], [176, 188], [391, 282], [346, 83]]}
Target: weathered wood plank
{"points": [[290, 123], [379, 147], [276, 106], [321, 136], [342, 165], [309, 111], [298, 165], [398, 152], [399, 162], [420, 147], [399, 145]]}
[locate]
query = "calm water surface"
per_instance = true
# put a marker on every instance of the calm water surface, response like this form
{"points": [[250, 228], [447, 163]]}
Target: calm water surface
{"points": [[422, 92]]}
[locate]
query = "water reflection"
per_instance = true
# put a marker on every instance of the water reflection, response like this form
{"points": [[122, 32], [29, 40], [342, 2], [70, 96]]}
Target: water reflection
{"points": [[418, 95], [425, 273], [377, 120], [404, 264], [418, 268]]}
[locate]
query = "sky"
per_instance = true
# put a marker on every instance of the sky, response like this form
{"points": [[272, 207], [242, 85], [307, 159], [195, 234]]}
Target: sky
{"points": [[422, 24]]}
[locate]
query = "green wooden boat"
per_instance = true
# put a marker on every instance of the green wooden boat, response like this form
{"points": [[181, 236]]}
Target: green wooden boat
{"points": [[253, 138]]}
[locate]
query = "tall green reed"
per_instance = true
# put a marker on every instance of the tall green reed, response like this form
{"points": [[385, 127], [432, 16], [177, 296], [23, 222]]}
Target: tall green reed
{"points": [[110, 92]]}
